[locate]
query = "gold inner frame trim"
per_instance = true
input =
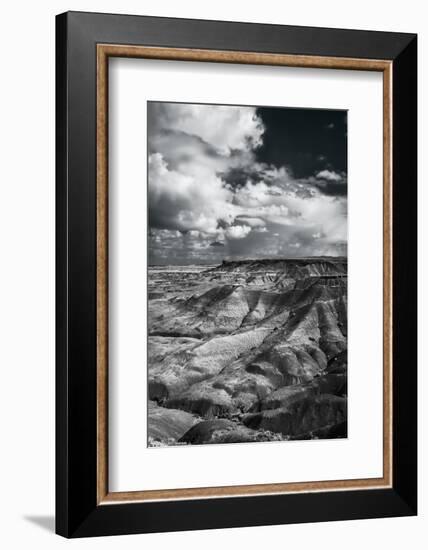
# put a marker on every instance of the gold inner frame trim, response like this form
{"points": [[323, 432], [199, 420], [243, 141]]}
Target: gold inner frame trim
{"points": [[104, 51]]}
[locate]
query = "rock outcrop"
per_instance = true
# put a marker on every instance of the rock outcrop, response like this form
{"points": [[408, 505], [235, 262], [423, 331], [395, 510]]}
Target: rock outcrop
{"points": [[166, 426]]}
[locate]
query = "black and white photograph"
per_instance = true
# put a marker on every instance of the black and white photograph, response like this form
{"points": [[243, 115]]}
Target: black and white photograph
{"points": [[213, 272], [247, 274]]}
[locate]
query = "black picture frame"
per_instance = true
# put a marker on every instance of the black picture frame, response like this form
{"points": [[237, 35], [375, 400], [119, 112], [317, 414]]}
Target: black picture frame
{"points": [[78, 513]]}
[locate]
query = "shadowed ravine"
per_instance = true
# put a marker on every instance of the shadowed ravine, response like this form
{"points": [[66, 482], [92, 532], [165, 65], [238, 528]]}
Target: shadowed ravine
{"points": [[252, 350]]}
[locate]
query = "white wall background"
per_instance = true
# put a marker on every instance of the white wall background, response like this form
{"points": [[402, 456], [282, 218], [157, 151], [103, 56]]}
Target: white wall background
{"points": [[27, 271]]}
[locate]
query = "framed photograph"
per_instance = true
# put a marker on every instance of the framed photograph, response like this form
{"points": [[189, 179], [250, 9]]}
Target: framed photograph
{"points": [[224, 191]]}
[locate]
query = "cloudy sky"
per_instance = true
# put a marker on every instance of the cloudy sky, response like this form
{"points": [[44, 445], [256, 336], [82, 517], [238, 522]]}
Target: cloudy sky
{"points": [[245, 182]]}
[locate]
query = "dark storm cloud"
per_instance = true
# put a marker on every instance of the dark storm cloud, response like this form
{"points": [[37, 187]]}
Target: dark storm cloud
{"points": [[230, 181]]}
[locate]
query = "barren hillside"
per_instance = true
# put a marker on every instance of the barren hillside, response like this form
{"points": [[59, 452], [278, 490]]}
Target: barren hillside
{"points": [[252, 350]]}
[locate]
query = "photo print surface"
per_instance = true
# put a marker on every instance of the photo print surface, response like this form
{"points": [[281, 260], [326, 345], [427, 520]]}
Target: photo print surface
{"points": [[247, 274]]}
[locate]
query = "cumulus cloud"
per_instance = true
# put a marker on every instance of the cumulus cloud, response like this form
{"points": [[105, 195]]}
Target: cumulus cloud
{"points": [[330, 183], [237, 231], [224, 127], [252, 222], [209, 197], [186, 201], [329, 175]]}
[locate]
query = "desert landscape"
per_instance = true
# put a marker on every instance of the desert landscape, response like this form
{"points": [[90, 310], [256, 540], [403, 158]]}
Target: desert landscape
{"points": [[247, 274], [247, 350]]}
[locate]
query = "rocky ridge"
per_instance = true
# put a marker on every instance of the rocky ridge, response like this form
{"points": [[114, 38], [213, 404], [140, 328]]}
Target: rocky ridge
{"points": [[254, 350]]}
